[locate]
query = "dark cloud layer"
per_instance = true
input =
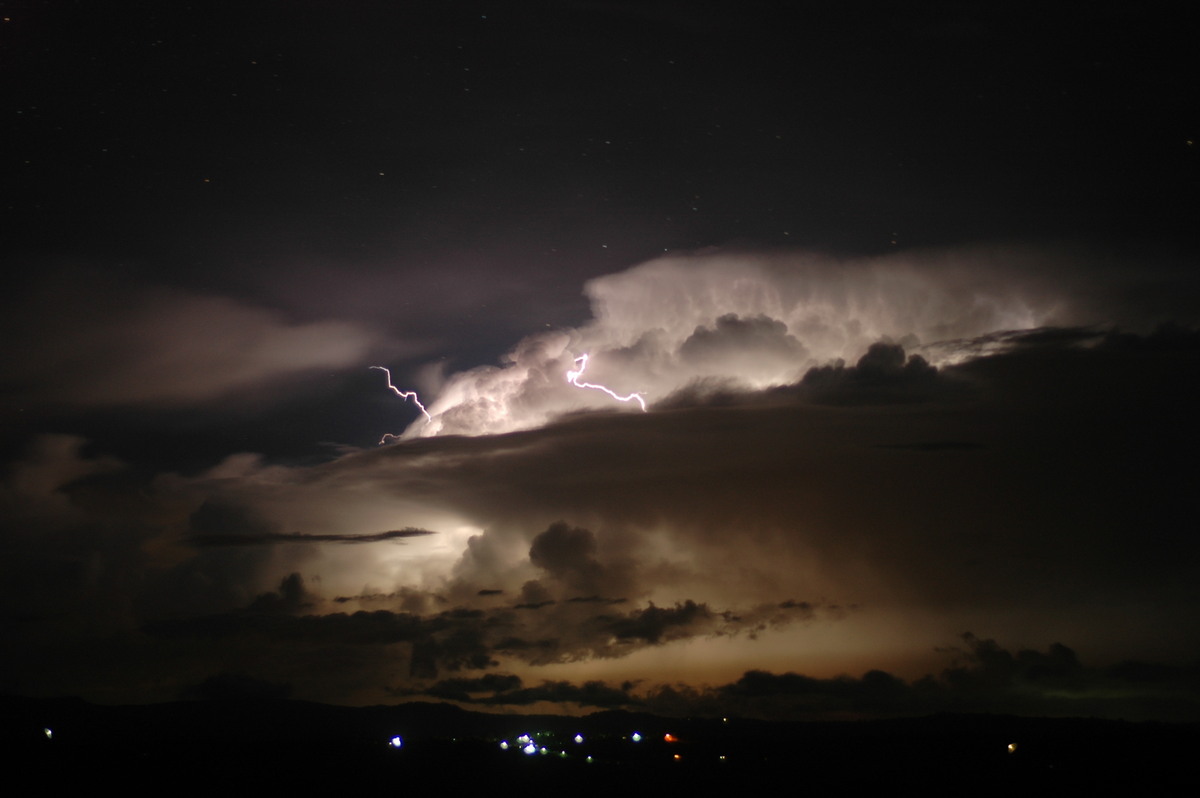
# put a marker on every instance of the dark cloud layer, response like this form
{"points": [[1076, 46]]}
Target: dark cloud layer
{"points": [[912, 309], [462, 638], [1007, 487], [284, 537], [984, 678]]}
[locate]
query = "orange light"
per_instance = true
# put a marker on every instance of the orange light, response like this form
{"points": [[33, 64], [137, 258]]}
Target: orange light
{"points": [[677, 757], [670, 738]]}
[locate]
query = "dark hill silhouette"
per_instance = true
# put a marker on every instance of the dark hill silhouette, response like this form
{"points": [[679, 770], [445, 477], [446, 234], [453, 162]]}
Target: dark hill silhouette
{"points": [[275, 744]]}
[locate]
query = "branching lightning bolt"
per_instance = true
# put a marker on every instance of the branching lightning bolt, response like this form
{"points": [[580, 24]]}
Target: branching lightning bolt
{"points": [[573, 378], [403, 395]]}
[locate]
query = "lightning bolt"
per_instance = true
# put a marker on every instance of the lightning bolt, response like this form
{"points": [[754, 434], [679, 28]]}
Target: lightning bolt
{"points": [[573, 378], [403, 395]]}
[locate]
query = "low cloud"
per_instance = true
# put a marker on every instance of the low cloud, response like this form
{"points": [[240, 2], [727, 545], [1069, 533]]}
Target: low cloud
{"points": [[465, 689], [658, 624], [986, 678], [270, 538], [472, 638], [567, 555]]}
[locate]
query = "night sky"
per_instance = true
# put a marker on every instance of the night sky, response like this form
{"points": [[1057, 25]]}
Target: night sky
{"points": [[909, 292]]}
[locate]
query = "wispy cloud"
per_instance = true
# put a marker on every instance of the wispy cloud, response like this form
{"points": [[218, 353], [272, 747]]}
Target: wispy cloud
{"points": [[271, 538]]}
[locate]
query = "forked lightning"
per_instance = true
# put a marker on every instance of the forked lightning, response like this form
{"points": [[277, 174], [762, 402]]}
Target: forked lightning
{"points": [[573, 378], [403, 395]]}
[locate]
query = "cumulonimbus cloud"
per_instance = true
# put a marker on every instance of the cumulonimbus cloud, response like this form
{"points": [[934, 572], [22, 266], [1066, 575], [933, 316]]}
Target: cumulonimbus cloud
{"points": [[895, 497], [753, 321]]}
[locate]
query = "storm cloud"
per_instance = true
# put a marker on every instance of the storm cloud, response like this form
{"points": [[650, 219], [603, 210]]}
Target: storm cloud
{"points": [[788, 518], [909, 299], [752, 320]]}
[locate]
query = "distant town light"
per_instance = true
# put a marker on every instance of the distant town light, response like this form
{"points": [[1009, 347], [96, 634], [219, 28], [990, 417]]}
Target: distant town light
{"points": [[578, 738], [524, 738], [395, 742], [670, 738], [49, 734], [636, 737], [504, 745], [530, 749], [1012, 748]]}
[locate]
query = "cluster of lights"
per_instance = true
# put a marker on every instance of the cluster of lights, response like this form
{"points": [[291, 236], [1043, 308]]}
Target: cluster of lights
{"points": [[529, 746]]}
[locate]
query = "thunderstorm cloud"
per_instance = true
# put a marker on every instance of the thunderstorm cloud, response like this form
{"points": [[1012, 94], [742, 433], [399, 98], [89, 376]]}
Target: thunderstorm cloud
{"points": [[903, 304], [753, 321], [883, 450]]}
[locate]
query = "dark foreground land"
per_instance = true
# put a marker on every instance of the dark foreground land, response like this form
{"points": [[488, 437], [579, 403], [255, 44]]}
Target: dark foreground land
{"points": [[274, 745]]}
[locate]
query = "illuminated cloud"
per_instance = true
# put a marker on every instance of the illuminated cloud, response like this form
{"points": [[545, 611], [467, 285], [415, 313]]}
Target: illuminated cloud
{"points": [[861, 511], [982, 676], [753, 320], [461, 639], [847, 458], [846, 500]]}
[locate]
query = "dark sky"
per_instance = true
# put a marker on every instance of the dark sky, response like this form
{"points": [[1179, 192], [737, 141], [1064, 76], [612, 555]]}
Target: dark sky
{"points": [[909, 291]]}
